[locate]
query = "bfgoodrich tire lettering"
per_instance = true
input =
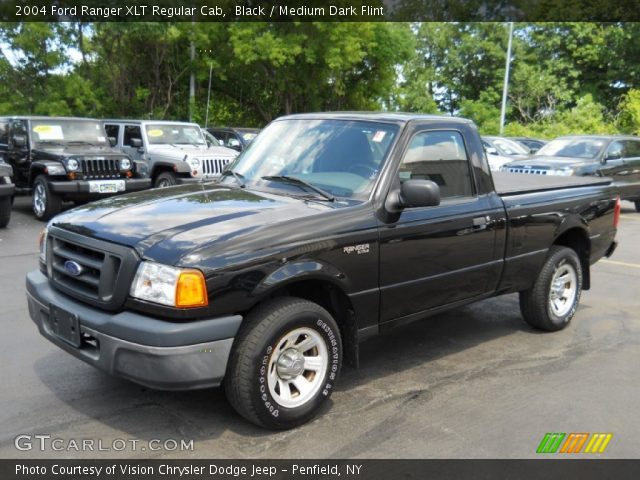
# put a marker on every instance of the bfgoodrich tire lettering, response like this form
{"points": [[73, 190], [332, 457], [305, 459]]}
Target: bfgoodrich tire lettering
{"points": [[265, 349], [553, 299]]}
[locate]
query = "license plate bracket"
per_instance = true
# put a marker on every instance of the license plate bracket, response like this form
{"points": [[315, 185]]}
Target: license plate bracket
{"points": [[64, 325], [106, 186]]}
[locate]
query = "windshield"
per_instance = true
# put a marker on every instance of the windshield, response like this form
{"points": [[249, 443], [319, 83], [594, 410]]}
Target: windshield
{"points": [[68, 132], [509, 147], [174, 134], [340, 157], [588, 148]]}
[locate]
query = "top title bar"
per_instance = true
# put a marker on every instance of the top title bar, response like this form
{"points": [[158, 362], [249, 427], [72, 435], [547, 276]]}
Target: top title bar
{"points": [[314, 10]]}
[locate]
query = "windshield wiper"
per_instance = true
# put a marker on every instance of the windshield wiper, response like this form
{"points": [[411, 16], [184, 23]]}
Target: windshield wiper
{"points": [[238, 176], [297, 181]]}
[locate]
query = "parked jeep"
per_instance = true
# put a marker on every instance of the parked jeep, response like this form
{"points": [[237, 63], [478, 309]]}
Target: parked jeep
{"points": [[6, 193], [176, 152], [60, 159]]}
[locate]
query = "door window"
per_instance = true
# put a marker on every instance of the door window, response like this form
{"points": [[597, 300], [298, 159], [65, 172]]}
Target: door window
{"points": [[131, 132], [631, 149], [439, 156], [112, 131]]}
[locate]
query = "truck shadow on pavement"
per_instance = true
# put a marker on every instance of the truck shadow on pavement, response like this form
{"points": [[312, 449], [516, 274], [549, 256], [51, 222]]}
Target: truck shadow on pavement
{"points": [[205, 414]]}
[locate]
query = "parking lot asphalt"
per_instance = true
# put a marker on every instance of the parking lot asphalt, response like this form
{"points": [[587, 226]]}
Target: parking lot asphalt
{"points": [[475, 382]]}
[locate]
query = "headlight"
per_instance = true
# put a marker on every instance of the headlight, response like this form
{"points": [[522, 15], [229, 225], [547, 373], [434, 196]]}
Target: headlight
{"points": [[564, 172], [125, 164], [175, 287], [72, 165], [193, 162], [43, 244]]}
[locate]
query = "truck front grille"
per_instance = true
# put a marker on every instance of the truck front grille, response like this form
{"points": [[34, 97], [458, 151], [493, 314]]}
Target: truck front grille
{"points": [[99, 168], [214, 166], [534, 171], [93, 271]]}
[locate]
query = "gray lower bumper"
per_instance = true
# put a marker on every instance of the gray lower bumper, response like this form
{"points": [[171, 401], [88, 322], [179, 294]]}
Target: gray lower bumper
{"points": [[181, 367], [82, 186]]}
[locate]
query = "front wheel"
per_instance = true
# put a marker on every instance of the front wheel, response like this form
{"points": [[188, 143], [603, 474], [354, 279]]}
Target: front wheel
{"points": [[44, 202], [165, 179], [284, 363], [553, 299]]}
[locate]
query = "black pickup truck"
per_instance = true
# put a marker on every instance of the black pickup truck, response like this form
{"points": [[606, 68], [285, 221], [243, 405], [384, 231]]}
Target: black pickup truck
{"points": [[329, 228], [58, 158]]}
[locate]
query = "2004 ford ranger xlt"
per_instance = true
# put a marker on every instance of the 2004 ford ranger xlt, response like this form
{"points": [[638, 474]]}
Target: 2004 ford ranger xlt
{"points": [[327, 229]]}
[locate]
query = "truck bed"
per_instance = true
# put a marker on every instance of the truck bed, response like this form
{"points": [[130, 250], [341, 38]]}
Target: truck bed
{"points": [[517, 183]]}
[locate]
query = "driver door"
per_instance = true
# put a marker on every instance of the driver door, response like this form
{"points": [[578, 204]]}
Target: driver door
{"points": [[434, 256]]}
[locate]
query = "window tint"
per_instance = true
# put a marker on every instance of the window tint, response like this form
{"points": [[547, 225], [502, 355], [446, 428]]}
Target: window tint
{"points": [[4, 132], [131, 132], [631, 149], [112, 131], [439, 156]]}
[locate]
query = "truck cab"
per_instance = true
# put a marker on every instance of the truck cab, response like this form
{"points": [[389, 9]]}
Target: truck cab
{"points": [[65, 159], [176, 152]]}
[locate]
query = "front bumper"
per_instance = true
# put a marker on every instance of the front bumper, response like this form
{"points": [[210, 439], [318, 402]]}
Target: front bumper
{"points": [[155, 353], [82, 186], [7, 190]]}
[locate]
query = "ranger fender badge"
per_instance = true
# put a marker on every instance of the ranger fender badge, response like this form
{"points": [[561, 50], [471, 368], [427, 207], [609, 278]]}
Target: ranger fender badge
{"points": [[359, 249]]}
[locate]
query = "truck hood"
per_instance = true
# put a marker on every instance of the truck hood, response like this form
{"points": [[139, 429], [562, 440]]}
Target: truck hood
{"points": [[545, 162], [166, 224], [180, 151]]}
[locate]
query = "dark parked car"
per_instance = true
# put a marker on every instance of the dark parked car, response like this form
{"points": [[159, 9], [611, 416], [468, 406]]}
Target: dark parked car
{"points": [[61, 159], [533, 144], [269, 279], [6, 193], [236, 138], [612, 156]]}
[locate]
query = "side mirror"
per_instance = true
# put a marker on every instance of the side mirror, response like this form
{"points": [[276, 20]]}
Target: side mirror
{"points": [[19, 141], [612, 156], [414, 193], [113, 141], [491, 151], [136, 142]]}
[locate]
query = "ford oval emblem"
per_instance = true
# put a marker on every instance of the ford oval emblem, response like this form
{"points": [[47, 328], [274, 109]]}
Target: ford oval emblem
{"points": [[73, 268]]}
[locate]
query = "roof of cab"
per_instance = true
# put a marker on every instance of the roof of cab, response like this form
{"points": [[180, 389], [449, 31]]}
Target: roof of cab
{"points": [[392, 117]]}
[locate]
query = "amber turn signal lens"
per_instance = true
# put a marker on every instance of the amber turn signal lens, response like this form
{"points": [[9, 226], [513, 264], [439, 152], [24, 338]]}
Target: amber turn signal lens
{"points": [[191, 290]]}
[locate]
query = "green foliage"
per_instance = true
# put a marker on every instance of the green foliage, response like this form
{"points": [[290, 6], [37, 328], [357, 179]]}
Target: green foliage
{"points": [[565, 77]]}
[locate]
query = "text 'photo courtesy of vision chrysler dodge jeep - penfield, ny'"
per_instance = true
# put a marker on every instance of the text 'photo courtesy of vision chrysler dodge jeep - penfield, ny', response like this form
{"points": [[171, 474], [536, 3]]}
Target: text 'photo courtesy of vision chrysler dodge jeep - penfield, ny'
{"points": [[327, 229]]}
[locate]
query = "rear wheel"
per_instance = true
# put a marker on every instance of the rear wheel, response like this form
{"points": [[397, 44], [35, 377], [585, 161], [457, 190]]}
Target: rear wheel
{"points": [[165, 179], [5, 211], [284, 364], [553, 299], [45, 203]]}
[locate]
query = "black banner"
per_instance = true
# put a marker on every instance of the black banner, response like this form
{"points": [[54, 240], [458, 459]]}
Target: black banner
{"points": [[317, 10], [583, 469]]}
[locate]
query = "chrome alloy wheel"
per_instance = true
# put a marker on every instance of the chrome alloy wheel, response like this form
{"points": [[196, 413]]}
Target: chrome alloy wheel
{"points": [[39, 200], [297, 367], [563, 290]]}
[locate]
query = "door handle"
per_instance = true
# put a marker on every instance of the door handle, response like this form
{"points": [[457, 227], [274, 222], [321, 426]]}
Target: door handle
{"points": [[481, 223]]}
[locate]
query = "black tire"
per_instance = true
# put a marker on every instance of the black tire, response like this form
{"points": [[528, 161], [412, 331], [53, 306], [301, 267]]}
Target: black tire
{"points": [[5, 211], [51, 203], [263, 332], [165, 179], [637, 203], [536, 304]]}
